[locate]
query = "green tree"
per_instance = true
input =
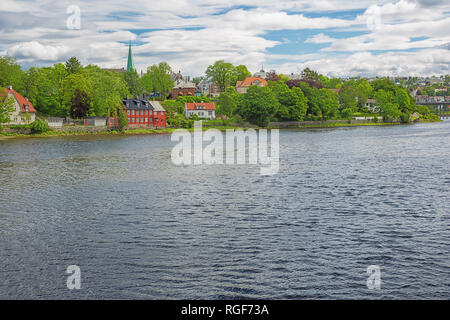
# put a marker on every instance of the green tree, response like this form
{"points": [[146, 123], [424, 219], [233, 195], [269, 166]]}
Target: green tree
{"points": [[123, 120], [160, 75], [259, 104], [310, 75], [222, 73], [146, 83], [329, 103], [348, 96], [39, 126], [242, 73], [227, 102], [6, 107], [293, 103], [78, 88], [390, 111], [383, 84], [313, 96], [31, 80], [133, 83], [363, 91], [403, 100], [81, 104], [73, 66], [11, 74], [108, 90]]}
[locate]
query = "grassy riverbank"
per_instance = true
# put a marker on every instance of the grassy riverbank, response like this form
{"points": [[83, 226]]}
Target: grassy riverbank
{"points": [[62, 133], [68, 133]]}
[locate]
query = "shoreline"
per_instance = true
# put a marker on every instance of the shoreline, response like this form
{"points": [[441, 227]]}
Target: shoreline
{"points": [[131, 132]]}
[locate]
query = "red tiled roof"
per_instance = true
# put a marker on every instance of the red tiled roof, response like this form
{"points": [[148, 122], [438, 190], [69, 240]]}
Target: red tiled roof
{"points": [[207, 106], [249, 82], [21, 100]]}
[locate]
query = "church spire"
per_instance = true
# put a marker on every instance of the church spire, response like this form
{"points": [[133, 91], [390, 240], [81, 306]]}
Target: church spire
{"points": [[130, 65]]}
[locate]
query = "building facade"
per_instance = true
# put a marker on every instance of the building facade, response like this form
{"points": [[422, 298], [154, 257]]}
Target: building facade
{"points": [[209, 88], [144, 113], [202, 110], [184, 89], [242, 86], [24, 112]]}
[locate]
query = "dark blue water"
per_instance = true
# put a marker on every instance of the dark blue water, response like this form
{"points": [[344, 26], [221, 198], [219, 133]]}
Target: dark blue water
{"points": [[139, 227]]}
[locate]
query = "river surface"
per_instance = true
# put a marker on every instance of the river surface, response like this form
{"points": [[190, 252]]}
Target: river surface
{"points": [[140, 227]]}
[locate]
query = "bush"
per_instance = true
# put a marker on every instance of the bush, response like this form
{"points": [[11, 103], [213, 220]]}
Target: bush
{"points": [[347, 113], [123, 120], [405, 117], [424, 110], [39, 126]]}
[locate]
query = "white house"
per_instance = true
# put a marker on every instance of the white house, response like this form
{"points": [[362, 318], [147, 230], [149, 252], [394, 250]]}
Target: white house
{"points": [[202, 110], [372, 105], [24, 112]]}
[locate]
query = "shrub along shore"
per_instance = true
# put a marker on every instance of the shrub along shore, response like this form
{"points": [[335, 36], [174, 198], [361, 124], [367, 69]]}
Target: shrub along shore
{"points": [[25, 131]]}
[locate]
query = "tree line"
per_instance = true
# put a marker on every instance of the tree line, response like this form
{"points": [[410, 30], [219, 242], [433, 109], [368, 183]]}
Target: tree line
{"points": [[69, 89]]}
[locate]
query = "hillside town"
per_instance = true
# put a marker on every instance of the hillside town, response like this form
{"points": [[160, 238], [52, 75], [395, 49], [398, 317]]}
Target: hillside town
{"points": [[72, 95]]}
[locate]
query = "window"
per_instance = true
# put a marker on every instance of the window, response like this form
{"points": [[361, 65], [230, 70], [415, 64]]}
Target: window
{"points": [[132, 120], [146, 112], [128, 112], [210, 113], [132, 112]]}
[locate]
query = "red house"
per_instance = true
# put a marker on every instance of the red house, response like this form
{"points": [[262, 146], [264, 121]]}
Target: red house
{"points": [[142, 113]]}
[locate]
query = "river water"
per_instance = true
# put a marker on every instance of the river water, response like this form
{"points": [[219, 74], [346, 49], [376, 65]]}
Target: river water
{"points": [[139, 227]]}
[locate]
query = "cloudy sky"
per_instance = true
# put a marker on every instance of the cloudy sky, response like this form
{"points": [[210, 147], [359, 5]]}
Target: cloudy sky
{"points": [[335, 37]]}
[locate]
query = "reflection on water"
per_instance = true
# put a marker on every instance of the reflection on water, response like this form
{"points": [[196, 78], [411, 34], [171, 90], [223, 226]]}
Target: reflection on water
{"points": [[140, 227]]}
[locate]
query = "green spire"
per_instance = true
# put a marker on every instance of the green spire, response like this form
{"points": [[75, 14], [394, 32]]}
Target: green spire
{"points": [[130, 65]]}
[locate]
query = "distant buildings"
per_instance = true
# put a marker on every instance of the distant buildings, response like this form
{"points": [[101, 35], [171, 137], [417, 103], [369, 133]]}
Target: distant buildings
{"points": [[208, 88], [24, 112], [261, 74], [242, 86], [202, 110], [183, 88], [141, 112]]}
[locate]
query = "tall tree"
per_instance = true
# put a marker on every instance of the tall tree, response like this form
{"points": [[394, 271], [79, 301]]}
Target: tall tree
{"points": [[160, 75], [11, 74], [227, 102], [328, 104], [6, 107], [242, 73], [348, 96], [259, 104], [363, 91], [293, 103], [73, 66], [310, 75], [222, 74], [81, 104], [133, 83]]}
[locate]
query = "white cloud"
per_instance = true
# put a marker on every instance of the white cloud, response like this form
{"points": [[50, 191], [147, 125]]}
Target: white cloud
{"points": [[36, 50], [320, 38], [35, 32]]}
